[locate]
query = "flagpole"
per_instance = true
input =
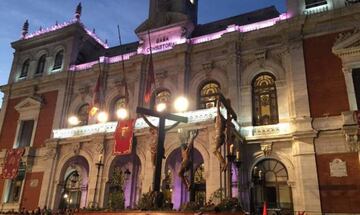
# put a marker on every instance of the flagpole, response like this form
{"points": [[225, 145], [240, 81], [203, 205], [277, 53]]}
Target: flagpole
{"points": [[150, 76], [123, 66]]}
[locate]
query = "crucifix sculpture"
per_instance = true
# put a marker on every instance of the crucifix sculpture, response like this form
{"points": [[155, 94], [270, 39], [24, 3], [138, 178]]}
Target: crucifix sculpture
{"points": [[163, 116]]}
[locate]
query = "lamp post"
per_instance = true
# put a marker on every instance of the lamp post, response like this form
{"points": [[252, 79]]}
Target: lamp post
{"points": [[163, 116], [235, 159], [99, 164]]}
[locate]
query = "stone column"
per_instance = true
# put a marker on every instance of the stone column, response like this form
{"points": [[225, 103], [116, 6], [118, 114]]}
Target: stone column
{"points": [[350, 88], [306, 196], [212, 171], [295, 66], [232, 69], [5, 100]]}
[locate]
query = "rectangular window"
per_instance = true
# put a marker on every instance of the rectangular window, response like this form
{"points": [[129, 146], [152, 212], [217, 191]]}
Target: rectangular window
{"points": [[314, 3], [25, 133], [15, 185], [356, 80]]}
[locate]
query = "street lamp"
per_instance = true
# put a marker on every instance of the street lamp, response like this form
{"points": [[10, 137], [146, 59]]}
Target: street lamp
{"points": [[161, 107], [235, 158], [122, 113], [73, 120], [181, 104], [102, 117]]}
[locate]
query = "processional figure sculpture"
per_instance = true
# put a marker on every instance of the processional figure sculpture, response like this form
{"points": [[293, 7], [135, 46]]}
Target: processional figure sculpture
{"points": [[187, 138], [161, 131], [219, 138]]}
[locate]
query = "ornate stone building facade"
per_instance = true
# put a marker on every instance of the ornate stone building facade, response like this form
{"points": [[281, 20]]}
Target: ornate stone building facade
{"points": [[293, 80]]}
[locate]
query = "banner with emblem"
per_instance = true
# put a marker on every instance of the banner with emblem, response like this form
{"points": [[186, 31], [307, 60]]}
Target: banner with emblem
{"points": [[124, 137], [12, 163]]}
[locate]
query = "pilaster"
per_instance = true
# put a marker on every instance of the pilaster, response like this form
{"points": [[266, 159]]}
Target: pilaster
{"points": [[307, 186]]}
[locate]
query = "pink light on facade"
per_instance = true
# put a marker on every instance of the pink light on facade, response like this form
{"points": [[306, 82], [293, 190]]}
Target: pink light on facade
{"points": [[102, 59], [118, 58], [63, 25], [243, 28], [49, 29], [83, 66], [207, 38], [263, 24]]}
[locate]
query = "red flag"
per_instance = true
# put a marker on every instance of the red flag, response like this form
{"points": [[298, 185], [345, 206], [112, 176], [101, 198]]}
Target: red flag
{"points": [[265, 209], [150, 81], [123, 137], [96, 99], [12, 163]]}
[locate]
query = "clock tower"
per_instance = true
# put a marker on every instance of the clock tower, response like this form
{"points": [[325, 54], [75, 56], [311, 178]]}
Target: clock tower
{"points": [[168, 13]]}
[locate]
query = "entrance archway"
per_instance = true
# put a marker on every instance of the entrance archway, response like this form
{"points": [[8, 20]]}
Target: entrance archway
{"points": [[74, 184], [123, 182], [175, 191], [269, 179]]}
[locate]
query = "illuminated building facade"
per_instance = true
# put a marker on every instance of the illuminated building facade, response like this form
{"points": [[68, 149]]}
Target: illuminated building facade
{"points": [[292, 78]]}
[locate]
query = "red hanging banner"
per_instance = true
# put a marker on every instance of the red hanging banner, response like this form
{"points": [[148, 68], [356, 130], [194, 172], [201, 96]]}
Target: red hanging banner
{"points": [[123, 137], [12, 163]]}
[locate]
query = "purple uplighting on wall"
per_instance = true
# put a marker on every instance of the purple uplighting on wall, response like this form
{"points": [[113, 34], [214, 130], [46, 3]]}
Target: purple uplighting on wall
{"points": [[180, 194], [171, 41], [63, 25]]}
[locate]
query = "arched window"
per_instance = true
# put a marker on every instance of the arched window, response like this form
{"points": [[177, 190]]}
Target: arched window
{"points": [[71, 196], [117, 104], [41, 65], [58, 60], [270, 184], [161, 96], [264, 100], [208, 95], [25, 69], [83, 114]]}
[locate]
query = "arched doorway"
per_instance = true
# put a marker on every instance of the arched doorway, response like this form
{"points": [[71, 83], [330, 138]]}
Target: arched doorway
{"points": [[269, 179], [175, 191], [122, 189], [74, 183]]}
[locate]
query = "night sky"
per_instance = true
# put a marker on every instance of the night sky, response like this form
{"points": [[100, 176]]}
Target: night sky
{"points": [[103, 15]]}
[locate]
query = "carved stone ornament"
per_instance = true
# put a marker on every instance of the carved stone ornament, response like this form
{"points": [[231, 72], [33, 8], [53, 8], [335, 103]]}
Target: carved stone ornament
{"points": [[76, 148], [353, 142], [83, 92], [49, 153], [347, 44], [344, 36], [338, 168], [208, 67], [266, 148], [99, 148]]}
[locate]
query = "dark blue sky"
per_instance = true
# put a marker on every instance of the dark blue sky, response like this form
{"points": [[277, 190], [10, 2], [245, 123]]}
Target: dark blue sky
{"points": [[103, 15]]}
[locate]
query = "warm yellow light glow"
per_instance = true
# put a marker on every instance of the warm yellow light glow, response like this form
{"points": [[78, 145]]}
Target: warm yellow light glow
{"points": [[102, 117], [66, 196], [93, 111], [73, 120], [122, 113], [161, 107], [181, 104]]}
